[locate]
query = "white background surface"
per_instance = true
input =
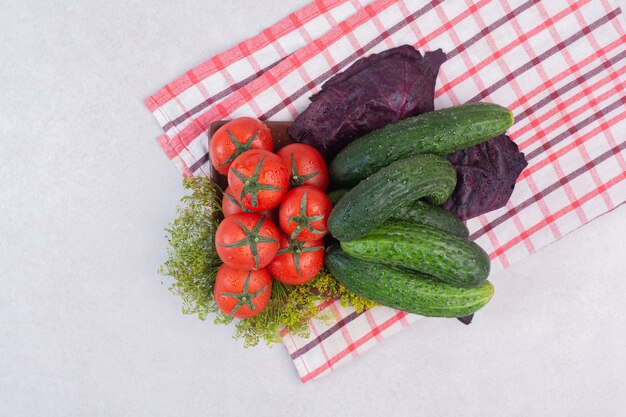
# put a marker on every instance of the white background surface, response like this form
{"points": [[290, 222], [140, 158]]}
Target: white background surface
{"points": [[87, 328]]}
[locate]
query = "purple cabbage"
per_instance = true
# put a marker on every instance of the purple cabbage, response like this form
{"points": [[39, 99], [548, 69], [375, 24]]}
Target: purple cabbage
{"points": [[373, 92], [486, 175]]}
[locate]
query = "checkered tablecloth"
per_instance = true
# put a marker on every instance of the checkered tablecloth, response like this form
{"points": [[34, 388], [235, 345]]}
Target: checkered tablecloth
{"points": [[558, 65]]}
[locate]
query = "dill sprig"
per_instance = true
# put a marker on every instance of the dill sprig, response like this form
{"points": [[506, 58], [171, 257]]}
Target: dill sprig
{"points": [[192, 261], [192, 264]]}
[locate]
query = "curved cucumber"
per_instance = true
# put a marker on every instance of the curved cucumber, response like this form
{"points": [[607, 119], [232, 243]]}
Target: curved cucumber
{"points": [[428, 214], [405, 290], [440, 132], [449, 258], [420, 212], [377, 197]]}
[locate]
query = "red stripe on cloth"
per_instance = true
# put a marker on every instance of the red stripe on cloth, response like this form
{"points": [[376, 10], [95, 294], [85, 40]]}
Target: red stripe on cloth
{"points": [[522, 129], [566, 120], [372, 323], [320, 307], [254, 88], [261, 84], [539, 195], [209, 100], [351, 348], [598, 54], [171, 153], [577, 142], [613, 152], [594, 101], [545, 211], [564, 108], [487, 227], [551, 142], [326, 334], [448, 24], [344, 331], [335, 67], [372, 9], [542, 224], [301, 358], [518, 90], [490, 28], [317, 336], [474, 9], [550, 52], [495, 243], [521, 230], [495, 55], [310, 84], [213, 65], [380, 27]]}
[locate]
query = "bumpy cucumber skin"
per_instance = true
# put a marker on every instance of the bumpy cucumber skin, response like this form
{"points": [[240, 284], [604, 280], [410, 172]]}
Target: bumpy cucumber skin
{"points": [[451, 259], [376, 198], [440, 132], [420, 212], [405, 290], [428, 214]]}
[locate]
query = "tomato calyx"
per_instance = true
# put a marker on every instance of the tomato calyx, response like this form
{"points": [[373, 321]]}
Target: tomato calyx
{"points": [[235, 202], [304, 222], [252, 239], [244, 297], [239, 147], [296, 248], [251, 184], [296, 180]]}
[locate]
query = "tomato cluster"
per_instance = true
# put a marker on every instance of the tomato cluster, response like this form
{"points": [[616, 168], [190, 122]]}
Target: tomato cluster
{"points": [[265, 189]]}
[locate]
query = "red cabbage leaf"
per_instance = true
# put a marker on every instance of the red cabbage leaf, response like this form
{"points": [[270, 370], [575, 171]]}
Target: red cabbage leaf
{"points": [[486, 175], [373, 92]]}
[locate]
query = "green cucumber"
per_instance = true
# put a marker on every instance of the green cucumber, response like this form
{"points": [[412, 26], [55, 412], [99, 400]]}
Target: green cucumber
{"points": [[428, 214], [451, 259], [405, 290], [419, 212], [336, 195], [377, 197], [440, 132]]}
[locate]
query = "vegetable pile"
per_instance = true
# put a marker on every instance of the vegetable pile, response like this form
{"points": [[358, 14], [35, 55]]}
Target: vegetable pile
{"points": [[276, 242], [255, 251], [389, 224]]}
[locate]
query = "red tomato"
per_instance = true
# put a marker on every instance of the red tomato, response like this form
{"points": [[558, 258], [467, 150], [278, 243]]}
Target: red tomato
{"points": [[241, 293], [247, 241], [271, 214], [259, 179], [297, 262], [306, 165], [231, 205], [236, 137], [303, 213]]}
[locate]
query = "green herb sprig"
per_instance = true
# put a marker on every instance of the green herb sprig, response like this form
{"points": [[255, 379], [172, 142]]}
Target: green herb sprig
{"points": [[192, 263]]}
